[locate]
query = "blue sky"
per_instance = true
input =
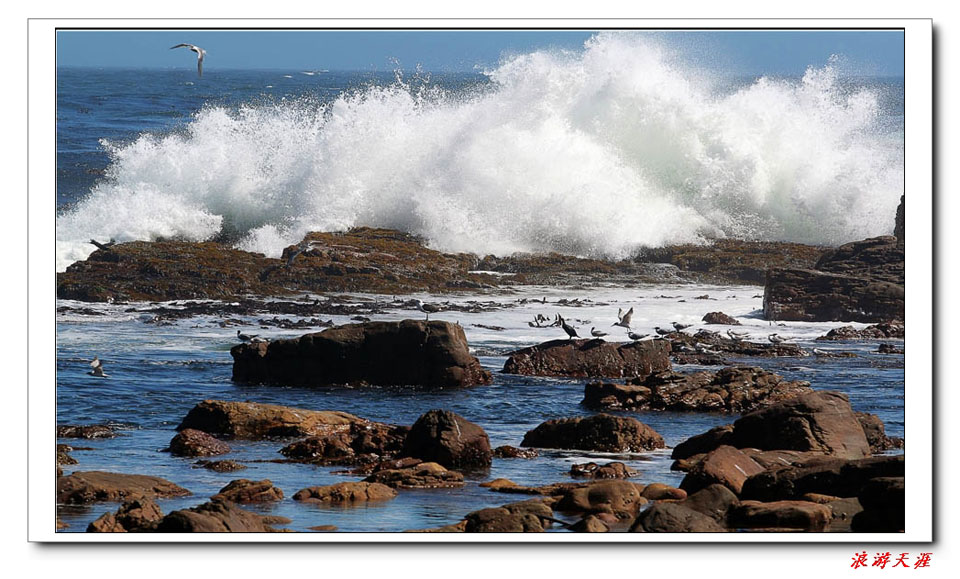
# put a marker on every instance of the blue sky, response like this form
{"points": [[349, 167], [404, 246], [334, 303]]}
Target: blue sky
{"points": [[786, 52]]}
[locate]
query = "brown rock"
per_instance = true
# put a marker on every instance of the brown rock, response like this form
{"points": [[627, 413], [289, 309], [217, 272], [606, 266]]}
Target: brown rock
{"points": [[603, 432], [881, 331], [703, 443], [617, 497], [89, 431], [498, 483], [876, 434], [248, 491], [346, 492], [662, 492], [323, 528], [605, 471], [514, 452], [409, 352], [217, 517], [221, 465], [781, 514], [426, 475], [714, 501], [590, 524], [720, 318], [93, 486], [726, 465], [590, 358], [884, 506], [134, 516], [255, 421], [834, 476], [674, 518], [63, 455], [522, 517], [192, 442], [449, 439]]}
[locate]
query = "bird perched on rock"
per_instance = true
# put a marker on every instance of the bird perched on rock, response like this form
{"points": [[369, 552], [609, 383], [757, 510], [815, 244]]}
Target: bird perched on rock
{"points": [[736, 336], [678, 326], [660, 331], [428, 308], [246, 338], [104, 246], [635, 336], [97, 368], [571, 332], [624, 318], [776, 339], [597, 333]]}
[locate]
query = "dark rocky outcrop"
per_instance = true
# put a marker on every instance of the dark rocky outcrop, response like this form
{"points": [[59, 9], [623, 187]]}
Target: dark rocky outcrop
{"points": [[361, 443], [426, 475], [217, 516], [616, 497], [876, 433], [735, 389], [831, 476], [881, 331], [884, 506], [94, 486], [703, 443], [86, 431], [720, 318], [346, 492], [725, 465], [449, 439], [714, 501], [603, 432], [221, 465], [63, 455], [590, 358], [249, 491], [409, 352], [254, 421], [899, 230], [604, 471], [134, 516], [508, 451], [192, 442], [523, 517], [780, 515], [674, 518]]}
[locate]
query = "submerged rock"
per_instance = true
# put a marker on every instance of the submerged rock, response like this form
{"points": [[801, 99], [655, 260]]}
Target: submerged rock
{"points": [[605, 471], [603, 432], [86, 431], [590, 358], [360, 443], [426, 475], [94, 486], [410, 352], [347, 492], [249, 491]]}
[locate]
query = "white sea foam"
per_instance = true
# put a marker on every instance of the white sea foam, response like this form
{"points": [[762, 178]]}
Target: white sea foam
{"points": [[599, 152]]}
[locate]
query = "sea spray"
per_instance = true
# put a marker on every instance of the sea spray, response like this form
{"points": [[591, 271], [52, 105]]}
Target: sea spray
{"points": [[599, 152]]}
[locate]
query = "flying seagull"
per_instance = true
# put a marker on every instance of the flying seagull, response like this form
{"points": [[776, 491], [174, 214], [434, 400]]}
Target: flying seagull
{"points": [[428, 308], [624, 318], [571, 332], [200, 53], [97, 370]]}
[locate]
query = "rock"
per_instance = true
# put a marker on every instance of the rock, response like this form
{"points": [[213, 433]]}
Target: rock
{"points": [[63, 455], [346, 492], [93, 486], [662, 492], [616, 497], [522, 517], [709, 345], [596, 471], [674, 518], [889, 349], [726, 465], [736, 390], [89, 431], [898, 226], [449, 439], [249, 491], [725, 261], [834, 476], [498, 483], [819, 421], [217, 516], [192, 442], [603, 432], [714, 501], [323, 528], [426, 475], [703, 443], [876, 434], [134, 516], [514, 452], [221, 465], [882, 331], [781, 515], [720, 318], [360, 443], [884, 506], [255, 421], [590, 358], [590, 524], [410, 352]]}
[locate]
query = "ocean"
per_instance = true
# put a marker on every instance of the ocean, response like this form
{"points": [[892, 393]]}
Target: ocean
{"points": [[591, 154]]}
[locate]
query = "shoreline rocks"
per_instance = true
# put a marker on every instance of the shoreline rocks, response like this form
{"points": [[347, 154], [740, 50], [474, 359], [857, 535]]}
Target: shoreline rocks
{"points": [[346, 492], [603, 433], [411, 352], [449, 439], [584, 358], [254, 421], [96, 486]]}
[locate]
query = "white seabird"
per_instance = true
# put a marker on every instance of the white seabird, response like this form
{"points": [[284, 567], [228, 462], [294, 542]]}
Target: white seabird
{"points": [[97, 370], [200, 54], [624, 318], [635, 336], [776, 339]]}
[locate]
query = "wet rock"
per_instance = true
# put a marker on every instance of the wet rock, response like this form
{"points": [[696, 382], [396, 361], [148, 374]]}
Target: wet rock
{"points": [[89, 431], [734, 261], [674, 518], [899, 230], [427, 475], [726, 465], [703, 443], [346, 492], [889, 349], [876, 434], [714, 501], [255, 421], [835, 476], [523, 517], [590, 524], [221, 465], [884, 506], [605, 471], [819, 421], [63, 455], [93, 486], [780, 515], [449, 439], [217, 516], [192, 442], [514, 452], [619, 498], [134, 516], [720, 318], [249, 491], [590, 358], [603, 432], [735, 390], [361, 443], [662, 492], [323, 528], [498, 483], [708, 344], [882, 331], [409, 352]]}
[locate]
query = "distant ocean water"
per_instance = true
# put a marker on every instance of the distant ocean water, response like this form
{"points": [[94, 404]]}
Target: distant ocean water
{"points": [[597, 153]]}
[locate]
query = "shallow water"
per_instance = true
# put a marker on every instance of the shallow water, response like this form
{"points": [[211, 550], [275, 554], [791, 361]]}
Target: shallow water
{"points": [[157, 373]]}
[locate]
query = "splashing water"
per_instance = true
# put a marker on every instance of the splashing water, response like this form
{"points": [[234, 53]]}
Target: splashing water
{"points": [[598, 153]]}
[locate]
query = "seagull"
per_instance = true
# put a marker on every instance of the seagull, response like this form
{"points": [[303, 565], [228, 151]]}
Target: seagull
{"points": [[635, 336], [304, 245], [660, 331], [736, 336], [246, 338], [428, 308], [200, 54], [571, 332], [624, 318], [776, 339], [104, 246], [97, 370], [680, 326], [597, 333]]}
